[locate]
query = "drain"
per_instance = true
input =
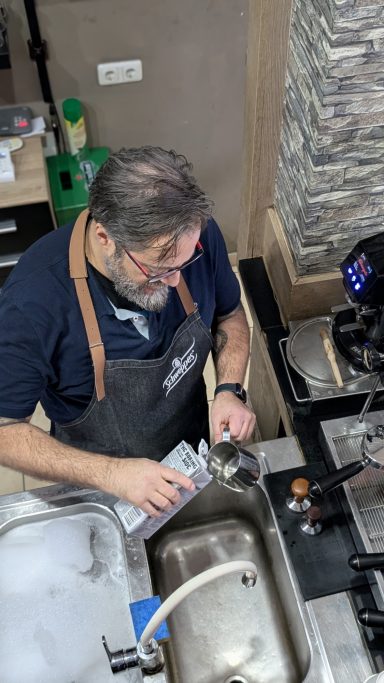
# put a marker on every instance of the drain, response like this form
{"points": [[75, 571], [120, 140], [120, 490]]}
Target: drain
{"points": [[236, 679]]}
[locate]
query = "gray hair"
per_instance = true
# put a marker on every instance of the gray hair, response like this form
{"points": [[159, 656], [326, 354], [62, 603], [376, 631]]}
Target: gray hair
{"points": [[142, 194]]}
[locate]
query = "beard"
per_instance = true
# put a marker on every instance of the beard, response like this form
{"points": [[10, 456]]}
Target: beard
{"points": [[150, 297]]}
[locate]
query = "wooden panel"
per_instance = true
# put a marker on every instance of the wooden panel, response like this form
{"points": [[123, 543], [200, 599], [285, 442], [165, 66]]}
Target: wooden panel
{"points": [[30, 185], [33, 483], [298, 297], [268, 40], [10, 481], [264, 390]]}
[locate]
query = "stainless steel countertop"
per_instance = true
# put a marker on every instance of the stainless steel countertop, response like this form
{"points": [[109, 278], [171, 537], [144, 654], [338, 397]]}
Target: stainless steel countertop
{"points": [[335, 635]]}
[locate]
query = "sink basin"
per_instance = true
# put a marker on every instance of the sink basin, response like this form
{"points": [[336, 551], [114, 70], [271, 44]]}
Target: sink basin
{"points": [[67, 576], [239, 635], [223, 632], [63, 580]]}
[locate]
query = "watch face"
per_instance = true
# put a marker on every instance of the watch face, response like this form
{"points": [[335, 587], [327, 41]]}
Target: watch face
{"points": [[237, 389], [241, 393]]}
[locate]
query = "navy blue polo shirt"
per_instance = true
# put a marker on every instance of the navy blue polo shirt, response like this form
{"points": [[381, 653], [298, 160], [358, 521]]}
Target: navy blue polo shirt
{"points": [[44, 353]]}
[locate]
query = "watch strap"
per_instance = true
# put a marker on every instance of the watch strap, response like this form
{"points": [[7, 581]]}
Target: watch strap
{"points": [[235, 388]]}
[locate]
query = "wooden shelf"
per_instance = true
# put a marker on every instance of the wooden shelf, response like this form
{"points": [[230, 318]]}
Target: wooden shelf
{"points": [[30, 185]]}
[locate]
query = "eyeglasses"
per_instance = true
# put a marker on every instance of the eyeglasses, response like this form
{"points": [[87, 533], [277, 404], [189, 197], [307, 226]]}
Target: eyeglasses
{"points": [[199, 251]]}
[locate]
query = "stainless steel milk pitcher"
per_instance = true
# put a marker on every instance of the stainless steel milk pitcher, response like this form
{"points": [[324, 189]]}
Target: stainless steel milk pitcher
{"points": [[232, 465]]}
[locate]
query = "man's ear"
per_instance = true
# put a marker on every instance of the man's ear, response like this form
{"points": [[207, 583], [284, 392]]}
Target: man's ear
{"points": [[102, 236]]}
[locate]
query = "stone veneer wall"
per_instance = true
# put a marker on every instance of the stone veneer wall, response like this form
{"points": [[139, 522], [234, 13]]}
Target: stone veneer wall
{"points": [[330, 178]]}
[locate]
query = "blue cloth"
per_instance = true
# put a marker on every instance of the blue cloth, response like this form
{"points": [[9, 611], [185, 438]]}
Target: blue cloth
{"points": [[142, 611], [44, 353]]}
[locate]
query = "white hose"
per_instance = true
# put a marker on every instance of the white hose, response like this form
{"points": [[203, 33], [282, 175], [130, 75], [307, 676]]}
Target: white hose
{"points": [[188, 587]]}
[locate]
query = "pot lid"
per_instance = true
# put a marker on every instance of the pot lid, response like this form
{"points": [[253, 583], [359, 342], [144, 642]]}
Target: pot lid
{"points": [[306, 354]]}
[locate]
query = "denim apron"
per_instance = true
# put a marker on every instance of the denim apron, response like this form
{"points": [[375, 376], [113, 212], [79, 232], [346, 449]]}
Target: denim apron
{"points": [[140, 408]]}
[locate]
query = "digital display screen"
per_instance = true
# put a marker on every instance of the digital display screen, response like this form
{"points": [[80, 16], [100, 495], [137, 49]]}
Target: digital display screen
{"points": [[358, 272], [362, 267]]}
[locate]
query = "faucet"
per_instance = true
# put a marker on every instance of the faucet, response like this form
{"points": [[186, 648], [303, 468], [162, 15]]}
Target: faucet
{"points": [[147, 654]]}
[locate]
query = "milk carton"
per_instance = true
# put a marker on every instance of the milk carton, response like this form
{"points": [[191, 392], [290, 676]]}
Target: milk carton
{"points": [[183, 458]]}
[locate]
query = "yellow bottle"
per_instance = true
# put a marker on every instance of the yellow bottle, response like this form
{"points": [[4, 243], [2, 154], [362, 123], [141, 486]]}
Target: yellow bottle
{"points": [[75, 126]]}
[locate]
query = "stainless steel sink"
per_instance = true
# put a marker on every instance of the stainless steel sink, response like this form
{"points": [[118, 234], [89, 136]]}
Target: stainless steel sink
{"points": [[71, 577], [238, 634], [222, 633]]}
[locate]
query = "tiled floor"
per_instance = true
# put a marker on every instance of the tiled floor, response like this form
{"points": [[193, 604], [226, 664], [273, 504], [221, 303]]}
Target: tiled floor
{"points": [[12, 481]]}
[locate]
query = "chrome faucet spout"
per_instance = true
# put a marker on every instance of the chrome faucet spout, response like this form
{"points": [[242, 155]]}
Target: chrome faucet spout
{"points": [[148, 654], [249, 579], [196, 582]]}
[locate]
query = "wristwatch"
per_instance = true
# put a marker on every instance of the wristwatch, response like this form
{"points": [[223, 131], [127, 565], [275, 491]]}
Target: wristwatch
{"points": [[236, 389]]}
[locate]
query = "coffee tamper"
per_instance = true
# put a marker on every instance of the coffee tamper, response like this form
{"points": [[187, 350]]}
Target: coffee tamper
{"points": [[299, 501], [311, 522]]}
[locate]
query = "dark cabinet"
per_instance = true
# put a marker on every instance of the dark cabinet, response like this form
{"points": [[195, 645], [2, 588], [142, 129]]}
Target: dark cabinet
{"points": [[25, 209]]}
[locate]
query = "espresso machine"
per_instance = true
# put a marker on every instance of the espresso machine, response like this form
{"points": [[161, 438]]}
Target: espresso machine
{"points": [[358, 326], [355, 330], [353, 446]]}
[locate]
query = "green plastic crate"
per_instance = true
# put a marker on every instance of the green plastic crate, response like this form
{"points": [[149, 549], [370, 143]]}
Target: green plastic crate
{"points": [[69, 180]]}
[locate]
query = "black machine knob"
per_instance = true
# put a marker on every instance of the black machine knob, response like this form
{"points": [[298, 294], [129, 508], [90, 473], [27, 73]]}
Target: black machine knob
{"points": [[361, 562], [370, 617], [330, 481]]}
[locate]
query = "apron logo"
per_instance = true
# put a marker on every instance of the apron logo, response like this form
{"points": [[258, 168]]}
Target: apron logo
{"points": [[180, 367]]}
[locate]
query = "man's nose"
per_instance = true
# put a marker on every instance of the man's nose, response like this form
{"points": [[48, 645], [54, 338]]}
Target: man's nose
{"points": [[172, 280]]}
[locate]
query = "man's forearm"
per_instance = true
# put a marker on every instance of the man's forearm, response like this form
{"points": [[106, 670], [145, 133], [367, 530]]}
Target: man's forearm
{"points": [[231, 348], [28, 449], [231, 353], [144, 483]]}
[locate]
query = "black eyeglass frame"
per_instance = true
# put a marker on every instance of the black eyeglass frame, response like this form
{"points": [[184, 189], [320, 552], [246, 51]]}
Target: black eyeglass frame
{"points": [[167, 273]]}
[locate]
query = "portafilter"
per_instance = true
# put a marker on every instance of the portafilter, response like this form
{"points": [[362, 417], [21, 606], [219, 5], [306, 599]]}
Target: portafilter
{"points": [[372, 450]]}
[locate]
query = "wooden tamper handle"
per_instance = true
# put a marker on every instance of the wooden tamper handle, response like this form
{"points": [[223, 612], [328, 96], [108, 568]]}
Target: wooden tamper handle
{"points": [[311, 523], [299, 500], [299, 488], [313, 515], [330, 353]]}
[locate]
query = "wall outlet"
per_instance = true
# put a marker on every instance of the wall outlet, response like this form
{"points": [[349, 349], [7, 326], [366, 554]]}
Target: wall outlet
{"points": [[132, 71], [114, 73]]}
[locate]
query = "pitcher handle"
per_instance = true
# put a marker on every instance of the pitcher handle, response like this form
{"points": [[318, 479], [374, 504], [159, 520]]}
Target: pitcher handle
{"points": [[226, 434]]}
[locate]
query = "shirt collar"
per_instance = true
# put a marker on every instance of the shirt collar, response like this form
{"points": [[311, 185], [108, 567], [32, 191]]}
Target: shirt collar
{"points": [[99, 298], [103, 305]]}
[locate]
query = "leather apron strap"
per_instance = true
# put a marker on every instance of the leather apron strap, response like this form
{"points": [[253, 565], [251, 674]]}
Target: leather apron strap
{"points": [[78, 273], [185, 296]]}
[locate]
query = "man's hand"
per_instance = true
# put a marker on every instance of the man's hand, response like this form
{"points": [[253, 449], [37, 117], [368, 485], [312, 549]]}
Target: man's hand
{"points": [[147, 484], [229, 411]]}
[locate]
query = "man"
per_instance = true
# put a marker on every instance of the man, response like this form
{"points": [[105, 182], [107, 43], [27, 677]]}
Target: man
{"points": [[108, 323]]}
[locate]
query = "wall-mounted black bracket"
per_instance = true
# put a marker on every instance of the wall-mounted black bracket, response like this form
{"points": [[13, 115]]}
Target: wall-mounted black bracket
{"points": [[38, 51]]}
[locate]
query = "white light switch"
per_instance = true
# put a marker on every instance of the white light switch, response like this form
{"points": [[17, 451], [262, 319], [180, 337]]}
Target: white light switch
{"points": [[113, 73]]}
